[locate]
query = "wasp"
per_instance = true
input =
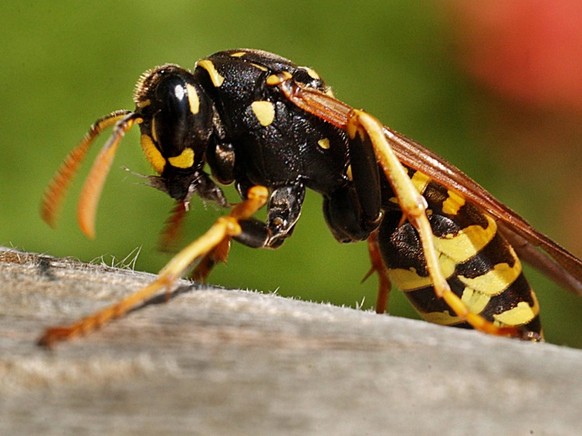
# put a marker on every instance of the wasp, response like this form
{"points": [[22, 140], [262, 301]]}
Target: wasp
{"points": [[274, 130]]}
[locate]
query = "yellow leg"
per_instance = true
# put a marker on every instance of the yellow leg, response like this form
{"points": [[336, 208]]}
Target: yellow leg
{"points": [[223, 229], [218, 254], [414, 207]]}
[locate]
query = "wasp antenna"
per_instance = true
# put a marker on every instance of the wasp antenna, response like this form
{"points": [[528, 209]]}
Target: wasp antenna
{"points": [[57, 188], [93, 186]]}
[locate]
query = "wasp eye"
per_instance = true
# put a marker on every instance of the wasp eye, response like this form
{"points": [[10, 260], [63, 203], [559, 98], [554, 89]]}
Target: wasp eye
{"points": [[179, 92], [173, 119], [170, 96]]}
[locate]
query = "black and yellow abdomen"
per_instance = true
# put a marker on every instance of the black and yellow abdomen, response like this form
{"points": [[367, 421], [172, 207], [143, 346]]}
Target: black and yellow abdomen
{"points": [[481, 267]]}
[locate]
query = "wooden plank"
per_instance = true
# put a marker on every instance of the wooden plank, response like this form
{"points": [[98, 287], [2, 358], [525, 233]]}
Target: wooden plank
{"points": [[216, 361]]}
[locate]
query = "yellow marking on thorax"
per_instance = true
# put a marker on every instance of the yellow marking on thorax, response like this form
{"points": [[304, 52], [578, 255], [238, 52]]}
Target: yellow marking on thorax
{"points": [[238, 54], [312, 73], [193, 99], [467, 242], [183, 160], [453, 203], [324, 143], [264, 111], [259, 66], [277, 79], [152, 154], [215, 77], [420, 181]]}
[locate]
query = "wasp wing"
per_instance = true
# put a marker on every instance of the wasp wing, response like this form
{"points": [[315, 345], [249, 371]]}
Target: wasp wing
{"points": [[532, 246]]}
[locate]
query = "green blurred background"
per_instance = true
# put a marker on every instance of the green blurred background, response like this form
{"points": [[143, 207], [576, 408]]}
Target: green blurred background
{"points": [[64, 64]]}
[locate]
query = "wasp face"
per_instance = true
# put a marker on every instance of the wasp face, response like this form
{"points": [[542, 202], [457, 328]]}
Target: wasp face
{"points": [[177, 124]]}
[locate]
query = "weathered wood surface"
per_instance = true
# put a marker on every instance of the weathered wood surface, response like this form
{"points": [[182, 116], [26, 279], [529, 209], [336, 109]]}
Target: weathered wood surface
{"points": [[215, 361]]}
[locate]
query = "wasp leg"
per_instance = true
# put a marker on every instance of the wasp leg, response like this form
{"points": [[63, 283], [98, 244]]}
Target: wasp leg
{"points": [[284, 209], [224, 228], [379, 267], [172, 227], [206, 264], [253, 234], [362, 129], [354, 210]]}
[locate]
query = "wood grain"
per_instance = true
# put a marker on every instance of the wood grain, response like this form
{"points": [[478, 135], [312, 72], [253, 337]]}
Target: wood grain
{"points": [[215, 361]]}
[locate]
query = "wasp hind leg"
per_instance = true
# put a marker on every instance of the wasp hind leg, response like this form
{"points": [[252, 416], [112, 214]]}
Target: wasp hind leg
{"points": [[378, 267], [224, 228], [365, 131]]}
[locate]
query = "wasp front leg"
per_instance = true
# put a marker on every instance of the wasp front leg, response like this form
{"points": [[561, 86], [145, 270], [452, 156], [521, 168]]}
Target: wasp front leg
{"points": [[224, 228]]}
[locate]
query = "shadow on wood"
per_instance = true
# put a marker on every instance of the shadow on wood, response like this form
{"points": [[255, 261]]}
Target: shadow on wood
{"points": [[217, 361]]}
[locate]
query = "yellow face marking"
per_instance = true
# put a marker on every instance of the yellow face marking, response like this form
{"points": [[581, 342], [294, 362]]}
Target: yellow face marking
{"points": [[467, 242], [453, 203], [238, 54], [409, 280], [154, 129], [193, 99], [183, 160], [215, 77], [260, 67], [420, 181], [264, 111], [152, 154], [324, 143]]}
